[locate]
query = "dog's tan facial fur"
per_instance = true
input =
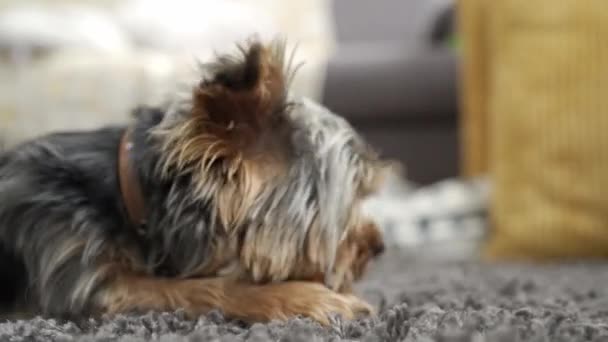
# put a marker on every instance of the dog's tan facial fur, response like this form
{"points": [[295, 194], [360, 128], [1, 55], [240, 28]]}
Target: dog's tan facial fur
{"points": [[355, 253]]}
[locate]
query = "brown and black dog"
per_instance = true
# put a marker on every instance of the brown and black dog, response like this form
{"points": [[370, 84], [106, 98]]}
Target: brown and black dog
{"points": [[236, 196]]}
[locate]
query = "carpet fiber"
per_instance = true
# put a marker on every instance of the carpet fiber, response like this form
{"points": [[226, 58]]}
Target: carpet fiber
{"points": [[448, 302]]}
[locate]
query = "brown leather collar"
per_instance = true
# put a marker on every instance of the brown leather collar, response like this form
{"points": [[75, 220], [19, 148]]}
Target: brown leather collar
{"points": [[130, 186]]}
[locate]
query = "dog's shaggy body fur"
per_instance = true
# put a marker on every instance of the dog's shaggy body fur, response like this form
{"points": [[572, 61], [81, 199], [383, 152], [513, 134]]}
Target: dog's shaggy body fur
{"points": [[252, 205]]}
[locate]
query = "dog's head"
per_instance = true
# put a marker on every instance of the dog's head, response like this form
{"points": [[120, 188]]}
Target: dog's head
{"points": [[283, 177]]}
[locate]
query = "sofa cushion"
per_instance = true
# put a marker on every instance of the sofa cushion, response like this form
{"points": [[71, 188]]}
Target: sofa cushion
{"points": [[385, 81]]}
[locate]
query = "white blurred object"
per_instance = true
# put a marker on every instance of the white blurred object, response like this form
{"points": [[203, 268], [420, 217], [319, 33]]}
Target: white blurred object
{"points": [[194, 26], [53, 27], [100, 61], [446, 220], [78, 90], [200, 28]]}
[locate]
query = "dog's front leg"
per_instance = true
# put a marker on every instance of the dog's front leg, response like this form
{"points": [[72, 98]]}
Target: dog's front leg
{"points": [[249, 302]]}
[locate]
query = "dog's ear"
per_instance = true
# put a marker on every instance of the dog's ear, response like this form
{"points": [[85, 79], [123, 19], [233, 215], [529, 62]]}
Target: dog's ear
{"points": [[236, 107], [242, 94]]}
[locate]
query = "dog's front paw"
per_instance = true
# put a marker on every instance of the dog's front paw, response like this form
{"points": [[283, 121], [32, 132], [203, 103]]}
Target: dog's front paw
{"points": [[324, 305], [282, 301]]}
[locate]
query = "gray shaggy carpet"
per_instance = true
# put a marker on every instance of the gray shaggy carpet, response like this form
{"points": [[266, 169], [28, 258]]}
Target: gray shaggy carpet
{"points": [[417, 302]]}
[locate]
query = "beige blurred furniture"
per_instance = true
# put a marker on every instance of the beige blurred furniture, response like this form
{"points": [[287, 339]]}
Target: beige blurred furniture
{"points": [[535, 117], [69, 64]]}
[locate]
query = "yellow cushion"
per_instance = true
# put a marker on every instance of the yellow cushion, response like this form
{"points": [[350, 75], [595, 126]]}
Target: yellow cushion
{"points": [[547, 103]]}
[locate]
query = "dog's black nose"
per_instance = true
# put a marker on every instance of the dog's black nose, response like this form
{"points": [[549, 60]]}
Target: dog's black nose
{"points": [[378, 249]]}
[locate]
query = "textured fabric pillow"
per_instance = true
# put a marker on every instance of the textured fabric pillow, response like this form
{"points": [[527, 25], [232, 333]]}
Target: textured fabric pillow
{"points": [[546, 101]]}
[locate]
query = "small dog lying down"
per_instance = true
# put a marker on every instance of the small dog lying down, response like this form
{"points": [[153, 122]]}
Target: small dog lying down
{"points": [[236, 197]]}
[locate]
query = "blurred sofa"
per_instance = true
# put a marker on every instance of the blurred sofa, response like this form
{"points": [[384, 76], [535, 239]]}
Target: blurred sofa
{"points": [[394, 77]]}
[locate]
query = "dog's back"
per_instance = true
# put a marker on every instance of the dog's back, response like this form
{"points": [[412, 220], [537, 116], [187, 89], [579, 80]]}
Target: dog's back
{"points": [[61, 170], [13, 275], [12, 271]]}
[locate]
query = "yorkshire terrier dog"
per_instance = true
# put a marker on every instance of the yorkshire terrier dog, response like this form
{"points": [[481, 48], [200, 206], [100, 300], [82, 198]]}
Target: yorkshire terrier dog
{"points": [[237, 196]]}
